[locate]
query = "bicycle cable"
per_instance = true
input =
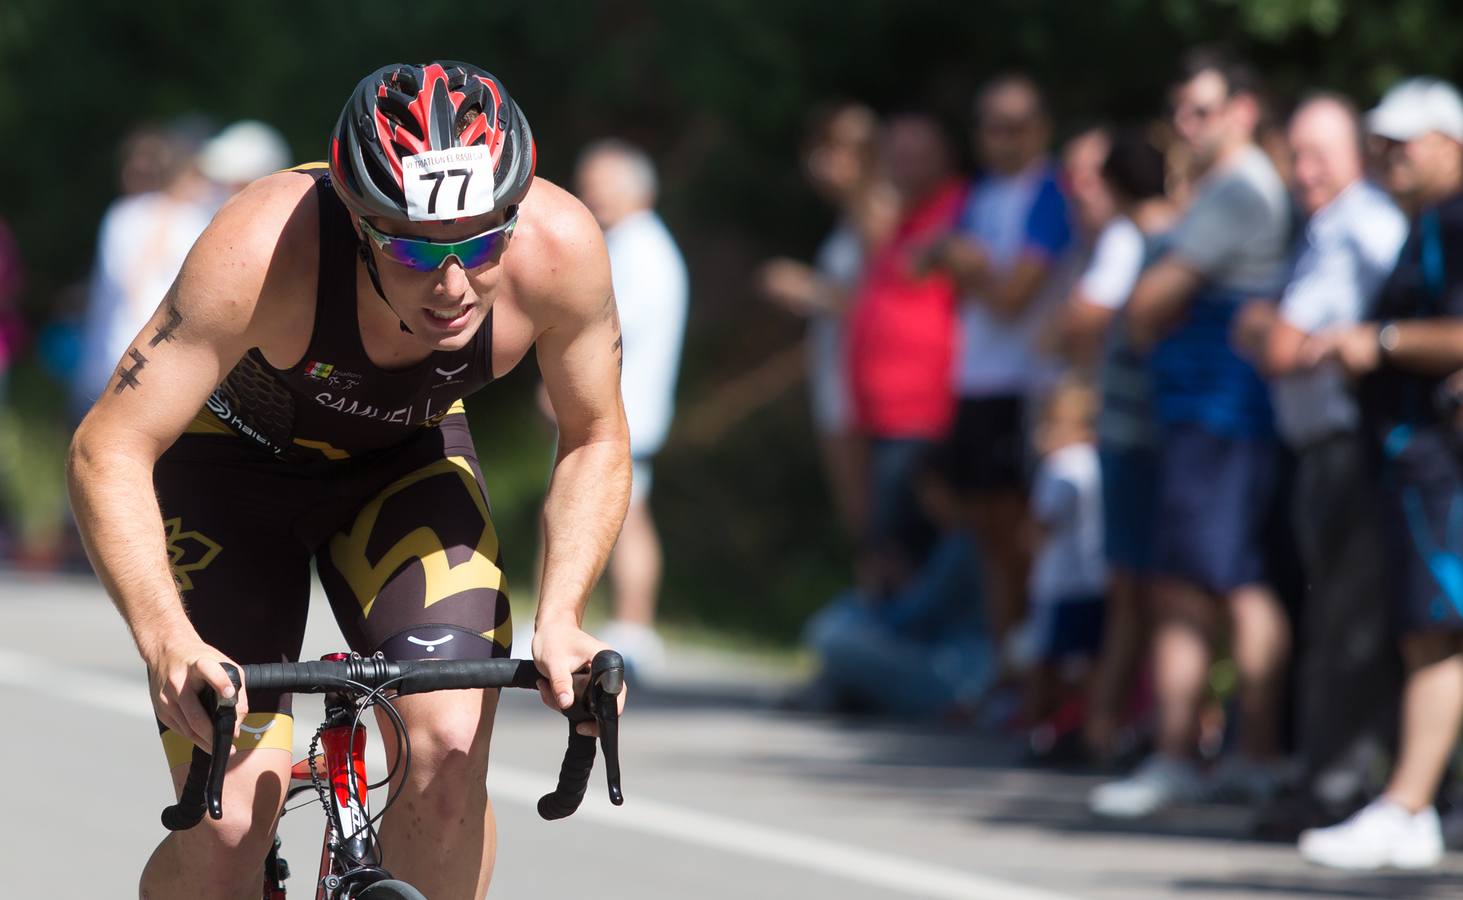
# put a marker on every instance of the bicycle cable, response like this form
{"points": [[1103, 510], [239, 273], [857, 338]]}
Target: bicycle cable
{"points": [[367, 698], [378, 698]]}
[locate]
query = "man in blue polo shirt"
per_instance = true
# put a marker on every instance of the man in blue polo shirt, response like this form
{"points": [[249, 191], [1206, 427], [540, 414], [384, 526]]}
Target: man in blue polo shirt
{"points": [[1003, 254], [1217, 459]]}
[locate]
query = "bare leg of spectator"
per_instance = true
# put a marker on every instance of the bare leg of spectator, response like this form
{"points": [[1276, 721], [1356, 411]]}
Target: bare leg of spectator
{"points": [[1261, 642], [1123, 632], [1003, 527], [1432, 712], [1181, 656], [635, 567]]}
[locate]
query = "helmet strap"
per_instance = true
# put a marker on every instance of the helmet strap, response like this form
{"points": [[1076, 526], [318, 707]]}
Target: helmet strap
{"points": [[369, 259]]}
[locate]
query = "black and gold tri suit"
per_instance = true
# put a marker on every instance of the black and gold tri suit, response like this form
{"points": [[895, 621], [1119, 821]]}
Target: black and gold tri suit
{"points": [[369, 472]]}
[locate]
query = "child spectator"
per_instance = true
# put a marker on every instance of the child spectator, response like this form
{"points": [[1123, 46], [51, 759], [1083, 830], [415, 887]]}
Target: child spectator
{"points": [[1062, 632]]}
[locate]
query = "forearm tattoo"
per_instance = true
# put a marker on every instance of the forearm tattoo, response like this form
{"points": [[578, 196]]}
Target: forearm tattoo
{"points": [[127, 378]]}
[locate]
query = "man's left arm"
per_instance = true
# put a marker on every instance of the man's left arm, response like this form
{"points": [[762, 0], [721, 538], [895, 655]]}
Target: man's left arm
{"points": [[579, 356], [1423, 346]]}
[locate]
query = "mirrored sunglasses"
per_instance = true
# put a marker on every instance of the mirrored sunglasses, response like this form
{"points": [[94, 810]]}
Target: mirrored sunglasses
{"points": [[423, 255]]}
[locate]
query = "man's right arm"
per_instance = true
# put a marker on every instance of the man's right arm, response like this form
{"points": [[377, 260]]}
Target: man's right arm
{"points": [[197, 334]]}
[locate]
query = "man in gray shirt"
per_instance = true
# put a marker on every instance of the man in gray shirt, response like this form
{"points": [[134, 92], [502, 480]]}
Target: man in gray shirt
{"points": [[1216, 464], [1350, 677]]}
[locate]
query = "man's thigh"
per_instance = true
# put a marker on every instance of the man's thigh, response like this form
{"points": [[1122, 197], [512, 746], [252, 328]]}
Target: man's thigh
{"points": [[244, 580], [415, 572]]}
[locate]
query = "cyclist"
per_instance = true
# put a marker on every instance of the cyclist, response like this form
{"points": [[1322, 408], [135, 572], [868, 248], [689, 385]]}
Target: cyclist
{"points": [[297, 397]]}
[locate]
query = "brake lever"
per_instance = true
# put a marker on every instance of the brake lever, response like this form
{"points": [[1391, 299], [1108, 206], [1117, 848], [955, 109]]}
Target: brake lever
{"points": [[607, 682], [225, 714], [204, 788]]}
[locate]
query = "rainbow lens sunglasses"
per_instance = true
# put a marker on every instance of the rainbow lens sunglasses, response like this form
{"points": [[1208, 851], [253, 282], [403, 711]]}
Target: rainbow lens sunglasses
{"points": [[423, 255]]}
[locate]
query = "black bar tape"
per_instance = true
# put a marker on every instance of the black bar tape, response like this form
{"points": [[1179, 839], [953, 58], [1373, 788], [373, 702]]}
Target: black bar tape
{"points": [[456, 674], [188, 811], [573, 778], [321, 676], [313, 677]]}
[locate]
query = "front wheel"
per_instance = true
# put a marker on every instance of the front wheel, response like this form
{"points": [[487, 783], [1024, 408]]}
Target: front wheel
{"points": [[391, 889]]}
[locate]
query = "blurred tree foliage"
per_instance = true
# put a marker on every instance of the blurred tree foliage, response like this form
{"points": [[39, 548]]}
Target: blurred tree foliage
{"points": [[717, 90]]}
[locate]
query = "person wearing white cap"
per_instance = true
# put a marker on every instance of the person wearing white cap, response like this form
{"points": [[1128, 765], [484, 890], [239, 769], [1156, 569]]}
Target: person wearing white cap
{"points": [[1402, 357]]}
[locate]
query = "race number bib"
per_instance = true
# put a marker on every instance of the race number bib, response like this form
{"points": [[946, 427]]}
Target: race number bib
{"points": [[456, 183]]}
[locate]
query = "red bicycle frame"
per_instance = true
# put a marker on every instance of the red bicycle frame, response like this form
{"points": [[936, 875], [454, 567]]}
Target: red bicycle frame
{"points": [[351, 846]]}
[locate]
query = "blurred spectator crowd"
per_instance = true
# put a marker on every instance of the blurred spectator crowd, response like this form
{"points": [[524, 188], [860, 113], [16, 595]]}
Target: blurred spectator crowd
{"points": [[1150, 445], [171, 179]]}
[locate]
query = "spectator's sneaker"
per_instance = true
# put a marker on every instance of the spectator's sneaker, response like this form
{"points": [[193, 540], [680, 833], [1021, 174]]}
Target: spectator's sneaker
{"points": [[1382, 834], [1237, 779], [1158, 783]]}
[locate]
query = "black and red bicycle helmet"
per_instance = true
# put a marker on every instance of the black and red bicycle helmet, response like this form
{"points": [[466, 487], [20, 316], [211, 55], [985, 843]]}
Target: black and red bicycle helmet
{"points": [[403, 110]]}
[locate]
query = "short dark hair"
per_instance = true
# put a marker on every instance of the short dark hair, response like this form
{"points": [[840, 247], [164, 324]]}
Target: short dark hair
{"points": [[1135, 168], [1239, 76]]}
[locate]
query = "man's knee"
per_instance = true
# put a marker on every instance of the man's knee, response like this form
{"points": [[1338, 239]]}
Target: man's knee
{"points": [[451, 732], [223, 857]]}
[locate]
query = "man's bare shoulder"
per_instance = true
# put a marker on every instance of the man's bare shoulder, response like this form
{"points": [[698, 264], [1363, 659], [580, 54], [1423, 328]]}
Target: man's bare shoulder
{"points": [[260, 246], [562, 264]]}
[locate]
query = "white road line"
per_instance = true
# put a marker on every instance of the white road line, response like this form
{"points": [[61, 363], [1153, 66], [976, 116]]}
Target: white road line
{"points": [[907, 876]]}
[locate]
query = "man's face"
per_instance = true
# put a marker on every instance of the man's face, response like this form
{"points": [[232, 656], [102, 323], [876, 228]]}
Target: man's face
{"points": [[1324, 154], [459, 297], [1201, 116], [602, 183], [1010, 130], [1414, 169]]}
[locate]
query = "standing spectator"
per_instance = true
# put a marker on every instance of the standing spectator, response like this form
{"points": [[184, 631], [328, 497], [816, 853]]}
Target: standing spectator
{"points": [[1134, 173], [143, 240], [1412, 341], [1059, 639], [145, 236], [901, 339], [1011, 232], [1217, 458], [1348, 680], [839, 161], [617, 182]]}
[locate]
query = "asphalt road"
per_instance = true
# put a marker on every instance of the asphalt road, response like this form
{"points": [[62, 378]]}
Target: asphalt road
{"points": [[727, 797]]}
